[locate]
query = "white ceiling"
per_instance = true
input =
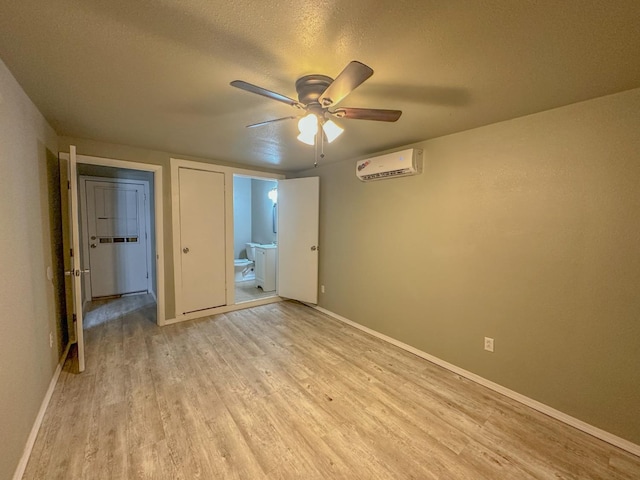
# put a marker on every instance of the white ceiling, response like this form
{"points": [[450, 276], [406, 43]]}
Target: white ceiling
{"points": [[156, 74]]}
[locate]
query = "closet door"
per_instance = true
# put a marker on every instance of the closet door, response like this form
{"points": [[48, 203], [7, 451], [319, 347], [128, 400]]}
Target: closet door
{"points": [[202, 240]]}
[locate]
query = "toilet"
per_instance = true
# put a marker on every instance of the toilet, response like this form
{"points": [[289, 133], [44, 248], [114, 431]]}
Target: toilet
{"points": [[244, 267]]}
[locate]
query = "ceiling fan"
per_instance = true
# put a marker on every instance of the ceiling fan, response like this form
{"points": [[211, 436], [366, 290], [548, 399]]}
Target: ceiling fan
{"points": [[318, 95]]}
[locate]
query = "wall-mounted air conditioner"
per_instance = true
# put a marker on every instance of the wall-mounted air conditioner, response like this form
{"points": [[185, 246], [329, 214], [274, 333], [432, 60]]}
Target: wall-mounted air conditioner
{"points": [[396, 164]]}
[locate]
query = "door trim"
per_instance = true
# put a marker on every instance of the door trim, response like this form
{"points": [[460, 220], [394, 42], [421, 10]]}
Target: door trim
{"points": [[159, 217], [228, 172]]}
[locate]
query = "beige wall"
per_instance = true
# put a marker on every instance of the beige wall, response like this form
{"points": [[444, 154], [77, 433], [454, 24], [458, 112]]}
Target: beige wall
{"points": [[28, 309], [262, 212], [527, 231], [153, 157]]}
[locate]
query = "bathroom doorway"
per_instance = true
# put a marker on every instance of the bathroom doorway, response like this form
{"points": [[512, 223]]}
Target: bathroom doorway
{"points": [[255, 238]]}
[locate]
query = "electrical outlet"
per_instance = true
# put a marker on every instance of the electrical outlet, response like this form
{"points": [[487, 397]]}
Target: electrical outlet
{"points": [[488, 344], [321, 288], [50, 339]]}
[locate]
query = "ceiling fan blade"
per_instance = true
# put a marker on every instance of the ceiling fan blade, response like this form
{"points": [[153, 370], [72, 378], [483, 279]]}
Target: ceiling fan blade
{"points": [[368, 114], [353, 75], [248, 87], [270, 121]]}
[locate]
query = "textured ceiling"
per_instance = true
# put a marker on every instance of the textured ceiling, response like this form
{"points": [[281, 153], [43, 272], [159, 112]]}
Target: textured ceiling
{"points": [[156, 74]]}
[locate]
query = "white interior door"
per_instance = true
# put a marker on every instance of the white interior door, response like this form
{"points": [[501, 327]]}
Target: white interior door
{"points": [[76, 267], [202, 240], [298, 218], [116, 231]]}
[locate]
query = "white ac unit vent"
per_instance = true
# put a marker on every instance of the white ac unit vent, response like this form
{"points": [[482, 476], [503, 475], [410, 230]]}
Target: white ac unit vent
{"points": [[396, 164]]}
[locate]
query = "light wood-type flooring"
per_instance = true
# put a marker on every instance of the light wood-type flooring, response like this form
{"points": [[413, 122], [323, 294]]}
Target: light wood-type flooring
{"points": [[100, 311], [282, 391], [247, 291]]}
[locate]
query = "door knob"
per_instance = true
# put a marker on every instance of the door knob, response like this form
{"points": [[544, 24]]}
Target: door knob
{"points": [[93, 245], [314, 248], [71, 273], [185, 250]]}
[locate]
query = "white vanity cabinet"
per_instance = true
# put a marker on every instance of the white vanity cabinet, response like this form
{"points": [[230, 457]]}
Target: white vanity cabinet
{"points": [[266, 267]]}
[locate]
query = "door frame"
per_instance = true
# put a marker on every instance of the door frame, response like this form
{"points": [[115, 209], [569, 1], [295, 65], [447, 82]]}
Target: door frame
{"points": [[229, 172], [158, 213], [84, 223]]}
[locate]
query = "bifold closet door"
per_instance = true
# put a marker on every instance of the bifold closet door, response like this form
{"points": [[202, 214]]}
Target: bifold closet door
{"points": [[202, 240]]}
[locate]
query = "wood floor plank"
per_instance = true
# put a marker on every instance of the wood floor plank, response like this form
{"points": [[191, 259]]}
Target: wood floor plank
{"points": [[492, 464], [260, 433], [111, 389], [545, 448], [234, 326], [312, 453], [282, 391], [232, 449], [152, 462], [144, 423], [67, 423], [623, 464], [360, 452]]}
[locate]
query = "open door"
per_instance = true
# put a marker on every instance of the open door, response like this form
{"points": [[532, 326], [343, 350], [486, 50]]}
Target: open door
{"points": [[75, 271], [298, 217]]}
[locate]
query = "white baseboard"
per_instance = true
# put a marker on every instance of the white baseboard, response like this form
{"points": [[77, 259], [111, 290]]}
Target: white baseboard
{"points": [[529, 402], [31, 439]]}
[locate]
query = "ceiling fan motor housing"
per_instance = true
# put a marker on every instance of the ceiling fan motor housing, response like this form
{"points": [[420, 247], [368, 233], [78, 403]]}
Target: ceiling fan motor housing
{"points": [[310, 87]]}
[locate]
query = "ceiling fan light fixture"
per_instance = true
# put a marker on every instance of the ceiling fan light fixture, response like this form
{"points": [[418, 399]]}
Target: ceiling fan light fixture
{"points": [[331, 130], [309, 139], [308, 125]]}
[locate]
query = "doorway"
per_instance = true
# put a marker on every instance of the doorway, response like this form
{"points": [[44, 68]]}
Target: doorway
{"points": [[254, 237], [118, 243], [72, 164]]}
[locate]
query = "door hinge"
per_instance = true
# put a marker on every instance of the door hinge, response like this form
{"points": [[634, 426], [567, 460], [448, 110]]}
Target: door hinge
{"points": [[147, 274], [71, 252], [75, 318], [68, 184]]}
